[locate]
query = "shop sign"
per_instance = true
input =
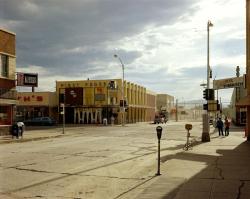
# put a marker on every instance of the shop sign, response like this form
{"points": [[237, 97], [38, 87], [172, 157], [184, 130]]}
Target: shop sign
{"points": [[99, 97], [228, 83], [32, 98], [27, 79], [74, 96]]}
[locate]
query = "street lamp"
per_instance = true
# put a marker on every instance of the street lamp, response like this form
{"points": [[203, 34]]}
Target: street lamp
{"points": [[209, 24], [123, 105], [205, 133]]}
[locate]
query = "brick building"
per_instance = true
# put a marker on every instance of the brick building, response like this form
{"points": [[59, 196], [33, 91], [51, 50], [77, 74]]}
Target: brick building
{"points": [[7, 79]]}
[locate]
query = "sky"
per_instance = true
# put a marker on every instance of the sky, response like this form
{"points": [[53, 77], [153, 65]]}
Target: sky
{"points": [[162, 43]]}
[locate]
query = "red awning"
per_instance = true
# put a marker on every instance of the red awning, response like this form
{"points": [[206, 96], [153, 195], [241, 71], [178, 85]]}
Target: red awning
{"points": [[244, 101]]}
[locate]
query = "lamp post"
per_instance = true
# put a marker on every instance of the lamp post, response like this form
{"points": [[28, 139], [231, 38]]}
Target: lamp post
{"points": [[123, 105], [205, 133], [209, 24]]}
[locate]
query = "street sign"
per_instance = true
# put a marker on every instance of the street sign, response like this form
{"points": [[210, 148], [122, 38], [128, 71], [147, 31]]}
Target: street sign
{"points": [[228, 83]]}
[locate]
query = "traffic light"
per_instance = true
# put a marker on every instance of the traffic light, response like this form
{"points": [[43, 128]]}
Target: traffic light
{"points": [[208, 94], [112, 85], [205, 107], [205, 94], [61, 109], [237, 71], [218, 105]]}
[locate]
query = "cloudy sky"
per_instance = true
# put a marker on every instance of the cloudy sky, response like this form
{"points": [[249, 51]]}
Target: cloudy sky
{"points": [[162, 43]]}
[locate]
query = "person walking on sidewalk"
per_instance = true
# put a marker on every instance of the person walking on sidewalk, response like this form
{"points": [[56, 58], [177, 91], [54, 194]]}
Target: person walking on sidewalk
{"points": [[220, 126], [227, 125]]}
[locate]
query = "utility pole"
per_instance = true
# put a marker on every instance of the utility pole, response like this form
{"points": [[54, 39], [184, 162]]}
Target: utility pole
{"points": [[176, 108], [123, 98], [205, 119]]}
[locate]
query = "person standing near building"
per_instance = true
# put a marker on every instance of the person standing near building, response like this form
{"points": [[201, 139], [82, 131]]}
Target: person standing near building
{"points": [[220, 126], [227, 125]]}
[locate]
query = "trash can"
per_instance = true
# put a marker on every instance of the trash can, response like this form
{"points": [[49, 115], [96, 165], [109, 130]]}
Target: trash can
{"points": [[15, 131]]}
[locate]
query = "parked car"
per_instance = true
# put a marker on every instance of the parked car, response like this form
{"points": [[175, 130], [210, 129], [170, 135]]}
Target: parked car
{"points": [[40, 121]]}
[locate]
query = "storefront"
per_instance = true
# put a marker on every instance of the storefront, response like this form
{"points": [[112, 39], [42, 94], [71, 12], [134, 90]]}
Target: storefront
{"points": [[36, 104]]}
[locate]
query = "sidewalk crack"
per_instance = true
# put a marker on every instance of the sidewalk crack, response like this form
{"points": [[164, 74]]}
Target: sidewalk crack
{"points": [[240, 188], [219, 169]]}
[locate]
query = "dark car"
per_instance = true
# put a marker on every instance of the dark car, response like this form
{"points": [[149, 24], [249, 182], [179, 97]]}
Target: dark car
{"points": [[40, 121]]}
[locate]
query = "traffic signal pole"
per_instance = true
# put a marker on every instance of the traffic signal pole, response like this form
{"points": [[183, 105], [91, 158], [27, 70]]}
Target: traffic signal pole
{"points": [[205, 117]]}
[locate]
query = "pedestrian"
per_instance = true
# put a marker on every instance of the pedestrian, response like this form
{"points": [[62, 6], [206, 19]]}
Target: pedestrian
{"points": [[20, 128], [227, 125], [220, 126]]}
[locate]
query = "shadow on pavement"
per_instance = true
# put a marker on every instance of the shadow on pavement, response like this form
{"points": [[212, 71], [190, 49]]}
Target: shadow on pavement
{"points": [[227, 175]]}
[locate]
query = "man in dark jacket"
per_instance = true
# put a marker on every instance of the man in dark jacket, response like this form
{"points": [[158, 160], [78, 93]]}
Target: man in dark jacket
{"points": [[220, 126]]}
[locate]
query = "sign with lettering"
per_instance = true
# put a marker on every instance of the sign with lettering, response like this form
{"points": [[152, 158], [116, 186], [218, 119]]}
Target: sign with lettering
{"points": [[228, 83], [74, 96], [27, 79]]}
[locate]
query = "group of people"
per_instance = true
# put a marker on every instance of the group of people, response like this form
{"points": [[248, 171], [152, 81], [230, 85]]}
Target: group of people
{"points": [[220, 126]]}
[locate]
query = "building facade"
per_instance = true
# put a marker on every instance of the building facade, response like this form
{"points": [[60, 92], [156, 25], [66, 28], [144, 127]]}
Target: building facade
{"points": [[164, 101], [36, 104], [7, 79], [90, 101]]}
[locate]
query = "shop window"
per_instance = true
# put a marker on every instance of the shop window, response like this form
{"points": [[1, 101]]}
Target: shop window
{"points": [[4, 64], [5, 115]]}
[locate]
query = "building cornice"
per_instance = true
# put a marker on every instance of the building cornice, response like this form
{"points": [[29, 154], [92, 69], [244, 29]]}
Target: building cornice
{"points": [[3, 53], [7, 31]]}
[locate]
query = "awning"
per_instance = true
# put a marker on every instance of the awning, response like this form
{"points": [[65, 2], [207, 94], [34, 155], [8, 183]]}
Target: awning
{"points": [[244, 101]]}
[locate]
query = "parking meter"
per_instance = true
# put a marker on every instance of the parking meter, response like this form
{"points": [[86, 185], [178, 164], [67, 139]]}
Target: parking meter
{"points": [[159, 132], [188, 127]]}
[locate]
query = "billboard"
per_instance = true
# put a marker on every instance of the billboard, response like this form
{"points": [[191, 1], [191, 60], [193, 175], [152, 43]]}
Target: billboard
{"points": [[74, 96], [27, 79], [228, 83]]}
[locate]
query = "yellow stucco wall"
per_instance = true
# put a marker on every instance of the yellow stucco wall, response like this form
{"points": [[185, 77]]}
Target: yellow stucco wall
{"points": [[37, 99], [135, 96]]}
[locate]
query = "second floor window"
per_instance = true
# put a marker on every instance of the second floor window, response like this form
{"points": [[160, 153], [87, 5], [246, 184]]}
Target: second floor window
{"points": [[4, 65]]}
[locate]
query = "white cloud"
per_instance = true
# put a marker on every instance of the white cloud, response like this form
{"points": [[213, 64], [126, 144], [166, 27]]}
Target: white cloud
{"points": [[162, 43]]}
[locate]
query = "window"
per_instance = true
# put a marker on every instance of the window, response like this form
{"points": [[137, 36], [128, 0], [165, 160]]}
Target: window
{"points": [[4, 65]]}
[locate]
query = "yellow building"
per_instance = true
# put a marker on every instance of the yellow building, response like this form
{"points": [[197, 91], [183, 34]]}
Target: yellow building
{"points": [[164, 101], [90, 101], [7, 79]]}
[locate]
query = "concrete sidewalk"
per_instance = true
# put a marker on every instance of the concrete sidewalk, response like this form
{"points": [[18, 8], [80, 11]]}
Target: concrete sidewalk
{"points": [[217, 169], [32, 135]]}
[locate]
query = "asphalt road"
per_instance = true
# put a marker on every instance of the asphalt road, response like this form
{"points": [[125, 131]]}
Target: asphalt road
{"points": [[89, 162]]}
